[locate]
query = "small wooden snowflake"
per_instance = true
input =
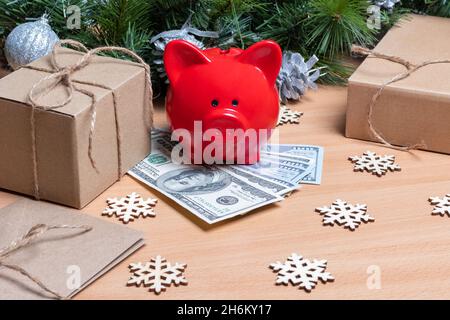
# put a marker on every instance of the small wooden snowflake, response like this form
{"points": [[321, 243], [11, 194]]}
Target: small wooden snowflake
{"points": [[345, 214], [287, 115], [131, 207], [442, 206], [377, 165], [302, 272], [157, 274]]}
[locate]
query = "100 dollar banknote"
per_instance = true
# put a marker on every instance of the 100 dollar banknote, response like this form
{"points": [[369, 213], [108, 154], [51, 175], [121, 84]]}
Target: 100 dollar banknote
{"points": [[279, 170], [293, 151], [210, 193]]}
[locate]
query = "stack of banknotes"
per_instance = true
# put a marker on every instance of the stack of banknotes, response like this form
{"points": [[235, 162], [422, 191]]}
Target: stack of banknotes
{"points": [[216, 193]]}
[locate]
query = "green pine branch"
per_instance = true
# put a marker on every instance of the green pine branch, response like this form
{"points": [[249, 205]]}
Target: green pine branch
{"points": [[286, 23], [334, 25], [326, 28], [432, 7]]}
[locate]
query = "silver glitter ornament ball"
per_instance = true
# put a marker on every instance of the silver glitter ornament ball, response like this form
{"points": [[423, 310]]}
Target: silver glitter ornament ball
{"points": [[28, 42]]}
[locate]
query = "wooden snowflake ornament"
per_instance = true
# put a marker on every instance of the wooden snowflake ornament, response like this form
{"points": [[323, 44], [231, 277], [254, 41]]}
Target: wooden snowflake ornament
{"points": [[302, 272], [376, 164], [287, 115], [131, 207], [345, 214], [157, 275], [442, 206]]}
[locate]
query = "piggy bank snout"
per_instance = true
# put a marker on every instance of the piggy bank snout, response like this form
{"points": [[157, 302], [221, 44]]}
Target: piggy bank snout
{"points": [[223, 120], [233, 127]]}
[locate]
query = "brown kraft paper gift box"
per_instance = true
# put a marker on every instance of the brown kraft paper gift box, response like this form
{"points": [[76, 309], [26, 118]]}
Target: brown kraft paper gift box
{"points": [[414, 110], [65, 172]]}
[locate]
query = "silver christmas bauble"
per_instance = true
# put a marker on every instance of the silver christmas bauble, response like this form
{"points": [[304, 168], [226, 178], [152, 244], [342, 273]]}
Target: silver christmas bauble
{"points": [[28, 42]]}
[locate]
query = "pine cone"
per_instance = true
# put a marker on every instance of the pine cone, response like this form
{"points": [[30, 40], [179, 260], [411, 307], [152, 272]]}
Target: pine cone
{"points": [[296, 76]]}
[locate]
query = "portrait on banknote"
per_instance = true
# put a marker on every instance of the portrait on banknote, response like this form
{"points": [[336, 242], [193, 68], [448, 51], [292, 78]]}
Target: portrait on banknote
{"points": [[192, 181]]}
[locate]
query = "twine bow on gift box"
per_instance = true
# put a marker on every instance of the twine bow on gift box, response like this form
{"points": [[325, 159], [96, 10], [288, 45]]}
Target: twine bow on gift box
{"points": [[410, 69], [64, 75], [34, 233]]}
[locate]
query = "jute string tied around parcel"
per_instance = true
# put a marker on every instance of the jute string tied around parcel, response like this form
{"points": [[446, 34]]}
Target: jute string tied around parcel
{"points": [[64, 76], [410, 69], [35, 232]]}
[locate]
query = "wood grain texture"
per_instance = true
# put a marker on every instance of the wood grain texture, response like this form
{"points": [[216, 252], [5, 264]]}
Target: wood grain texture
{"points": [[230, 260]]}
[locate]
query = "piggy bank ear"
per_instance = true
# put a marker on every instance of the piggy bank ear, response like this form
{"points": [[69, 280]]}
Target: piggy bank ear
{"points": [[179, 55], [265, 55]]}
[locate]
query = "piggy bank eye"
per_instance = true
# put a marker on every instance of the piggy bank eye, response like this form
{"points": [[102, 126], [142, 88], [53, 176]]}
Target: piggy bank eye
{"points": [[234, 103], [215, 103]]}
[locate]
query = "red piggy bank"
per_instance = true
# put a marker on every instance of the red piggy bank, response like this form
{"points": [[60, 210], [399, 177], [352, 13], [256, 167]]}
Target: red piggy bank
{"points": [[222, 104]]}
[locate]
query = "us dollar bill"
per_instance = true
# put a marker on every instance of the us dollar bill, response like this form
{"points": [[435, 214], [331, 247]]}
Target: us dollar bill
{"points": [[209, 192], [261, 182], [279, 170], [314, 153], [160, 132], [258, 181]]}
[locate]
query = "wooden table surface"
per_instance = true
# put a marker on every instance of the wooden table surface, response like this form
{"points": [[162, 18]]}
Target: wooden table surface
{"points": [[407, 245]]}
